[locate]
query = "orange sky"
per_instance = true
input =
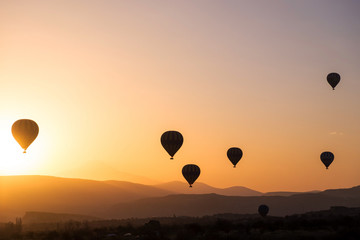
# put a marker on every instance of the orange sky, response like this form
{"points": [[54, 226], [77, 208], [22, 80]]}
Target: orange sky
{"points": [[104, 80]]}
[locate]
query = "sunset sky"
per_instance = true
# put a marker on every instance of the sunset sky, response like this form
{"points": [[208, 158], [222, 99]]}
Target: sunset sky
{"points": [[104, 80]]}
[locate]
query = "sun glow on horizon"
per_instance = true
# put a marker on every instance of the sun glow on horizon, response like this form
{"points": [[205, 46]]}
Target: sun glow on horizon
{"points": [[105, 82]]}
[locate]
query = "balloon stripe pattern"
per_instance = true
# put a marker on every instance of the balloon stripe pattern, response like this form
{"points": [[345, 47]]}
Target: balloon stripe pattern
{"points": [[191, 172], [234, 154], [25, 132], [327, 158], [172, 142]]}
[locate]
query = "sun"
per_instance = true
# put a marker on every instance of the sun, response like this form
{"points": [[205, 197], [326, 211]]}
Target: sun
{"points": [[12, 159]]}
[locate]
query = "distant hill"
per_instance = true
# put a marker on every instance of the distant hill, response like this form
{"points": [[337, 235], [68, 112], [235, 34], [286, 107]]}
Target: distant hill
{"points": [[88, 197], [78, 196], [44, 217], [343, 193], [209, 204], [120, 199], [202, 188], [286, 194]]}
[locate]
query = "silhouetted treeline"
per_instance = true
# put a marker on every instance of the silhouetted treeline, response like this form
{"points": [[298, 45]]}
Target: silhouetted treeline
{"points": [[336, 223]]}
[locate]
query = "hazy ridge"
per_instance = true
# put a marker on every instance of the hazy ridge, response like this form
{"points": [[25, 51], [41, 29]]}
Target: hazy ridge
{"points": [[202, 188], [46, 217], [208, 204], [121, 199], [77, 196]]}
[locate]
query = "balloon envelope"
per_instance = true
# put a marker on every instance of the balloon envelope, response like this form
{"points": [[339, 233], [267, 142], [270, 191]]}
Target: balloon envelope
{"points": [[172, 142], [25, 131], [333, 79], [234, 154], [327, 158], [263, 210], [191, 172]]}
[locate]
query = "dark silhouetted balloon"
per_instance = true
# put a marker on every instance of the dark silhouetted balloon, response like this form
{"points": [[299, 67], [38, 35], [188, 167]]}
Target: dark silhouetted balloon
{"points": [[191, 172], [25, 131], [333, 79], [327, 158], [234, 154], [263, 210], [172, 142]]}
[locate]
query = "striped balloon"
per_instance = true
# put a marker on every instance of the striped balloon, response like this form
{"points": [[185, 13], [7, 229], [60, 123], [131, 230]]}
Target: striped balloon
{"points": [[234, 154], [191, 172], [25, 132], [327, 158], [172, 142]]}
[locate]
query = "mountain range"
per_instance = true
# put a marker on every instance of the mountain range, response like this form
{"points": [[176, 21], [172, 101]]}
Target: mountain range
{"points": [[121, 199], [209, 204]]}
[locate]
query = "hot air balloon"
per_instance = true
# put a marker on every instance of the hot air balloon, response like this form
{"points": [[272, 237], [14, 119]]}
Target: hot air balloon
{"points": [[333, 79], [234, 154], [191, 172], [263, 210], [327, 158], [25, 131], [172, 141]]}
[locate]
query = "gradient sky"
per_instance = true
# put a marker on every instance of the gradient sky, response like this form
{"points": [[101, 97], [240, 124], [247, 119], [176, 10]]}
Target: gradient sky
{"points": [[104, 80]]}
